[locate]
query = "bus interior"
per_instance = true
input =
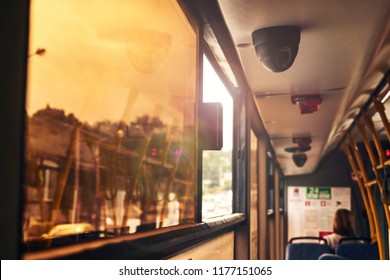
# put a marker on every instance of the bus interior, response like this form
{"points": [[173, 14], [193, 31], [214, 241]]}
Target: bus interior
{"points": [[180, 129]]}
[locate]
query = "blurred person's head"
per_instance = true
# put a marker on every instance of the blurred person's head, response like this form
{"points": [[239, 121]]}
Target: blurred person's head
{"points": [[343, 223]]}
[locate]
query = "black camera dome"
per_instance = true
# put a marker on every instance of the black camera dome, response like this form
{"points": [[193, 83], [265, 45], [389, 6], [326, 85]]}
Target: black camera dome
{"points": [[277, 46], [299, 159]]}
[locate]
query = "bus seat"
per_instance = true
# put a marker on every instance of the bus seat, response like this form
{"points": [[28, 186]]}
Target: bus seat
{"points": [[328, 256], [357, 251], [306, 250]]}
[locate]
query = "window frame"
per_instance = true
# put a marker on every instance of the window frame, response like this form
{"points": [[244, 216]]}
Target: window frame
{"points": [[13, 80], [161, 243]]}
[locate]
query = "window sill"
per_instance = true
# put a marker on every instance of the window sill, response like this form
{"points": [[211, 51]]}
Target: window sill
{"points": [[158, 244]]}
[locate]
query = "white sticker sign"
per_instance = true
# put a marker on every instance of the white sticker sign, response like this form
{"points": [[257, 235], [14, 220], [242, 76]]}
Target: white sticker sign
{"points": [[310, 209]]}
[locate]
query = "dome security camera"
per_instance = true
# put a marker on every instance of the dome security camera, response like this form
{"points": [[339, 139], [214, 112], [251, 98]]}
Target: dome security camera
{"points": [[299, 159], [277, 46]]}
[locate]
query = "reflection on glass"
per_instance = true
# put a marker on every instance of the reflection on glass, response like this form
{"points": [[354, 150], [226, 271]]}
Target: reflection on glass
{"points": [[110, 145], [217, 165], [254, 224]]}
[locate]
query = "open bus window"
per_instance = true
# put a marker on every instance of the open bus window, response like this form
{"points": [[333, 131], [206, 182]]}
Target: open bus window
{"points": [[110, 138], [217, 165]]}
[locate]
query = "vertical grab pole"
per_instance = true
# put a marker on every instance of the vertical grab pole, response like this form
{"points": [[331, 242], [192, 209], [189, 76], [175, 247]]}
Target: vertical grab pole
{"points": [[363, 192], [371, 127], [380, 108], [366, 142], [382, 164], [370, 197]]}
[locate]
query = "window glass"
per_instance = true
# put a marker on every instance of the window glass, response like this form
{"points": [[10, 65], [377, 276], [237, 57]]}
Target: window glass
{"points": [[110, 143], [254, 206], [271, 185], [217, 165]]}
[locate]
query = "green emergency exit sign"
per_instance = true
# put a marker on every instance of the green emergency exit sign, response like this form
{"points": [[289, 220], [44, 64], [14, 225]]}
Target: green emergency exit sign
{"points": [[318, 193]]}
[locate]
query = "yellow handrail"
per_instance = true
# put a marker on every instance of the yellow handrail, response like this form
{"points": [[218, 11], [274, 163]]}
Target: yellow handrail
{"points": [[363, 191], [361, 171]]}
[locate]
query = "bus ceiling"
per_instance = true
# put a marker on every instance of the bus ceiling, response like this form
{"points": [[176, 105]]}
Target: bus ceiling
{"points": [[333, 59]]}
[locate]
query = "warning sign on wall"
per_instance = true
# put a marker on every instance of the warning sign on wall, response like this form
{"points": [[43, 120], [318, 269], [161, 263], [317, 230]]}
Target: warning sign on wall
{"points": [[311, 209]]}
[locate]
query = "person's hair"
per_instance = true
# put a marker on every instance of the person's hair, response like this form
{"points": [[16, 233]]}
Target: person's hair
{"points": [[343, 223]]}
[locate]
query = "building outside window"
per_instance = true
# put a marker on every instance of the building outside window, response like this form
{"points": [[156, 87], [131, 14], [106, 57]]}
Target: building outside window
{"points": [[217, 165], [110, 137]]}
